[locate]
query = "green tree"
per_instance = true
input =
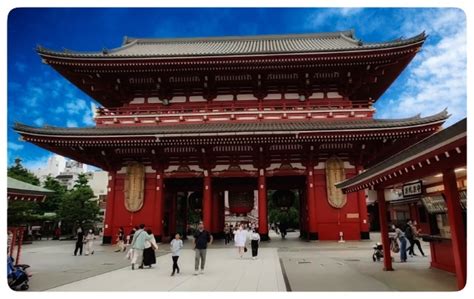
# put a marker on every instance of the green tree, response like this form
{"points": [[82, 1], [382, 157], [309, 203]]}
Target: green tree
{"points": [[79, 205], [20, 173], [53, 201], [20, 212], [290, 216]]}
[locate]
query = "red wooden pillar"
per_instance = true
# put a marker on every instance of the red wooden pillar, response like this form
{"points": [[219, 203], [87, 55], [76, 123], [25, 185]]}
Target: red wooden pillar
{"points": [[387, 259], [172, 215], [207, 201], [458, 234], [159, 195], [108, 237], [363, 215], [262, 205], [311, 202], [215, 213]]}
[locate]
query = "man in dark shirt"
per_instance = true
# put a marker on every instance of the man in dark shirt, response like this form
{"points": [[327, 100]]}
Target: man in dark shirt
{"points": [[80, 241], [201, 239]]}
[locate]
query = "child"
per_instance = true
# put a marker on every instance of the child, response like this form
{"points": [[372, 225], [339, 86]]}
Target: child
{"points": [[176, 245], [255, 240]]}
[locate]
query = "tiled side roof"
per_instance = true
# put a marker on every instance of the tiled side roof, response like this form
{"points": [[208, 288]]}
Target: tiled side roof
{"points": [[239, 45], [281, 126], [427, 143], [19, 186]]}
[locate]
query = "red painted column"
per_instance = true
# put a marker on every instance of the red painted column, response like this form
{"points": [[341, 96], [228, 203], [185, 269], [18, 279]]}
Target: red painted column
{"points": [[387, 259], [172, 217], [311, 201], [215, 213], [262, 206], [159, 195], [108, 237], [458, 233], [207, 201], [363, 215], [222, 211]]}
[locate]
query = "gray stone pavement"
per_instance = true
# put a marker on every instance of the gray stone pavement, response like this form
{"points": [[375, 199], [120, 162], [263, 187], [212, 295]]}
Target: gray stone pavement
{"points": [[307, 266], [333, 266]]}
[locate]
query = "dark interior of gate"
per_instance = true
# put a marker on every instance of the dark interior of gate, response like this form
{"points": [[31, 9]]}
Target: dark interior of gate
{"points": [[286, 196], [233, 198]]}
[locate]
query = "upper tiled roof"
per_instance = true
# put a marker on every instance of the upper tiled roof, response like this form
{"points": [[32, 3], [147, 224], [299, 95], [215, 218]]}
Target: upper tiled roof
{"points": [[230, 127], [238, 45]]}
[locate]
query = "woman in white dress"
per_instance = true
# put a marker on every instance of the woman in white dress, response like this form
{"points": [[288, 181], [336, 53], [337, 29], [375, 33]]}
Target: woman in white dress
{"points": [[240, 239], [90, 242]]}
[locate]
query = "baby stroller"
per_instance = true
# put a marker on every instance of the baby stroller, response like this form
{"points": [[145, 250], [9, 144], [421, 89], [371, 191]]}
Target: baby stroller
{"points": [[17, 276], [378, 252]]}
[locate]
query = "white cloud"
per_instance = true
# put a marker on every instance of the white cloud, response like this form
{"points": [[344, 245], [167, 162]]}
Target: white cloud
{"points": [[71, 124], [39, 122], [15, 146], [437, 76], [76, 106], [35, 164]]}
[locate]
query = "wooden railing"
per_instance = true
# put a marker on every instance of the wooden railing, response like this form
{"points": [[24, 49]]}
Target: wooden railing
{"points": [[219, 107]]}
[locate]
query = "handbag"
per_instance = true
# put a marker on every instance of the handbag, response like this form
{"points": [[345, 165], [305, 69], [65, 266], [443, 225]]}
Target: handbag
{"points": [[129, 254], [394, 246], [245, 249]]}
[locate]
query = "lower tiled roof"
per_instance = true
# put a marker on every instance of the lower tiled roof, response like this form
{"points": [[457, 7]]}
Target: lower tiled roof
{"points": [[432, 141], [237, 127]]}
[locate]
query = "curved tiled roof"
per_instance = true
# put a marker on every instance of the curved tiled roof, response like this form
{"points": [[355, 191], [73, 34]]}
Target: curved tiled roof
{"points": [[237, 45], [229, 127], [23, 187], [433, 141]]}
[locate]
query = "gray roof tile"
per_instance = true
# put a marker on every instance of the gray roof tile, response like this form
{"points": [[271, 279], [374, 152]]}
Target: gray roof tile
{"points": [[230, 127], [238, 45]]}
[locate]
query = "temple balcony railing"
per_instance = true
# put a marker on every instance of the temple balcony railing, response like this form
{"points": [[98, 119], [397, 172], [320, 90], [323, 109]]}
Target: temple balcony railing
{"points": [[235, 111]]}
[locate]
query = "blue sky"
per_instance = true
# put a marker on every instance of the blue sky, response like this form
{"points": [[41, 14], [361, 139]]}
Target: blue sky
{"points": [[37, 95]]}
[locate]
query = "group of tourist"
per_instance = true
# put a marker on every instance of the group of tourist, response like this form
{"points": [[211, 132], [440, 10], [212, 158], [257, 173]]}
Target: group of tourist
{"points": [[406, 236], [142, 244], [244, 235], [82, 239]]}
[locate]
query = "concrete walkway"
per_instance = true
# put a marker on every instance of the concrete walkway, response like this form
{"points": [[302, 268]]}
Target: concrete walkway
{"points": [[224, 271], [289, 264]]}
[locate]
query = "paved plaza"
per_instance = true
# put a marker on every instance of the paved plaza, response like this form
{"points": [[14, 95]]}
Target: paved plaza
{"points": [[283, 265]]}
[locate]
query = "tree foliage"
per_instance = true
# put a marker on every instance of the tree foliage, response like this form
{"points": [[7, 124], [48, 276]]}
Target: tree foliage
{"points": [[21, 212], [20, 173], [78, 205], [53, 201], [276, 214]]}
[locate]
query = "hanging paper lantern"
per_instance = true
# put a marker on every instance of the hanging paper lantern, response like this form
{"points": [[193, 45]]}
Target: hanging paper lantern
{"points": [[283, 199], [195, 201], [241, 202]]}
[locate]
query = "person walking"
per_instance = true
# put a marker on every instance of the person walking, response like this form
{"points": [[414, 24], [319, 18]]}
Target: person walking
{"points": [[79, 241], [132, 233], [138, 245], [400, 236], [226, 234], [283, 227], [416, 238], [90, 237], [201, 239], [240, 238], [149, 257], [175, 246], [120, 240], [410, 237], [255, 241]]}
